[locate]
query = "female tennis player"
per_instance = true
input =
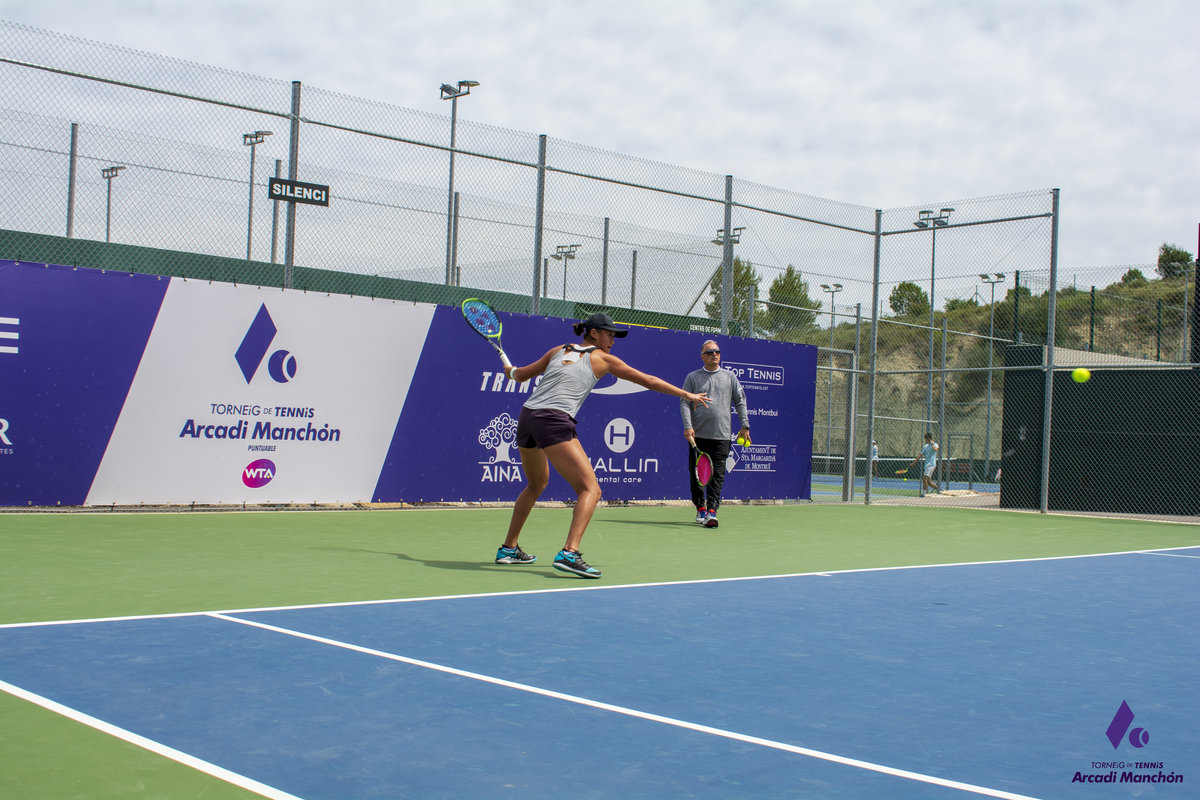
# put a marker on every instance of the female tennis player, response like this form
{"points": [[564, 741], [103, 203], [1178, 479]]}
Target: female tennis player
{"points": [[546, 432]]}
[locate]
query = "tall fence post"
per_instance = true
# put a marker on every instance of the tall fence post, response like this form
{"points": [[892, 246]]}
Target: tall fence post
{"points": [[454, 245], [604, 269], [633, 283], [874, 354], [538, 215], [1016, 337], [1158, 334], [750, 311], [850, 445], [1092, 324], [1048, 390], [942, 413], [71, 164], [275, 216], [727, 259], [289, 236]]}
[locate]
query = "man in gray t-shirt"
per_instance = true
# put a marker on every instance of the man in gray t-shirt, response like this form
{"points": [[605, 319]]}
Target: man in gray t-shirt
{"points": [[709, 429]]}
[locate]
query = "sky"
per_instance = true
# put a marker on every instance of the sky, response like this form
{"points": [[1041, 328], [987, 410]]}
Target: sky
{"points": [[879, 104]]}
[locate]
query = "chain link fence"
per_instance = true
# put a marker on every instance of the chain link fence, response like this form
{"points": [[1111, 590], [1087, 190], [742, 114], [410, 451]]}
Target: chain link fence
{"points": [[151, 164]]}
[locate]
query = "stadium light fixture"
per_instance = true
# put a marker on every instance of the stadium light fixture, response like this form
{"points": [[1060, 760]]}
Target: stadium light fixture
{"points": [[564, 253], [252, 140], [108, 173], [734, 237], [452, 94], [927, 221]]}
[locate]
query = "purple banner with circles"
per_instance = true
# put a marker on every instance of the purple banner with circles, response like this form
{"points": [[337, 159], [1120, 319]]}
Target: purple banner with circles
{"points": [[455, 439]]}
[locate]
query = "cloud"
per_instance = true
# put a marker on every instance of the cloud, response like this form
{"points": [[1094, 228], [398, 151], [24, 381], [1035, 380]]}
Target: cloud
{"points": [[873, 103]]}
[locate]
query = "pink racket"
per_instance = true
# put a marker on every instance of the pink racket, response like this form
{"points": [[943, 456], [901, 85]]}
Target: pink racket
{"points": [[704, 467]]}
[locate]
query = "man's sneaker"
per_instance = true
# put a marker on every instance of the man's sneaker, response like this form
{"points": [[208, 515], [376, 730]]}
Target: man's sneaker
{"points": [[701, 516], [711, 520], [513, 555], [569, 561]]}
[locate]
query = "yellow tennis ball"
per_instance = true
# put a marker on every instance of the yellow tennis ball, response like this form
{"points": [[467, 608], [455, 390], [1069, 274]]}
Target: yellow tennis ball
{"points": [[1081, 374], [742, 441]]}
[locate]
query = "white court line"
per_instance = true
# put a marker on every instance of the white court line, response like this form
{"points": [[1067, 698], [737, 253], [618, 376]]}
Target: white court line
{"points": [[589, 587], [1170, 555], [692, 726], [149, 744]]}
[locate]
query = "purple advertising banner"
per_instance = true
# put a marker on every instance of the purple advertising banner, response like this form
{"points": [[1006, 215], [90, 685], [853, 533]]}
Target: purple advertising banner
{"points": [[121, 388], [70, 343], [455, 438]]}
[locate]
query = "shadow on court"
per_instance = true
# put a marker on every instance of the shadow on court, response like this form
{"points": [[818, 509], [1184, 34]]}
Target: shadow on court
{"points": [[651, 523], [467, 566]]}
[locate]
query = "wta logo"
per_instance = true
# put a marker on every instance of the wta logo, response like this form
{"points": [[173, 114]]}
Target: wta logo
{"points": [[255, 344], [258, 474]]}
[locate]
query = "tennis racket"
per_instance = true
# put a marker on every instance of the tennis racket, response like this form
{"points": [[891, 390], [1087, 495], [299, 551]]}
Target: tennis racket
{"points": [[704, 467], [483, 320]]}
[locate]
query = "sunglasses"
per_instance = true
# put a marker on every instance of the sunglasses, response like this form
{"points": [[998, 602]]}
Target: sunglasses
{"points": [[712, 352]]}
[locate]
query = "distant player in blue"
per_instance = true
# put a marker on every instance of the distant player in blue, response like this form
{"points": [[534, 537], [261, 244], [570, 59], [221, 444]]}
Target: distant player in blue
{"points": [[928, 459]]}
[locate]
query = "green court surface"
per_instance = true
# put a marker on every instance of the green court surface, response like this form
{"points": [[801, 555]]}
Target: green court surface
{"points": [[60, 566]]}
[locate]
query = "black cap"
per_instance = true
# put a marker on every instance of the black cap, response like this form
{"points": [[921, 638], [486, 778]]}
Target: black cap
{"points": [[603, 322]]}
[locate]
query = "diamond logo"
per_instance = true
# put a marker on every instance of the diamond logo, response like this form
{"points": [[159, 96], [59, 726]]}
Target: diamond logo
{"points": [[1138, 737], [255, 344]]}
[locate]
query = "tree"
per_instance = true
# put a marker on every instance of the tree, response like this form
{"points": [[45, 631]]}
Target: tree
{"points": [[909, 300], [745, 281], [1132, 278], [955, 303], [1173, 262], [791, 314]]}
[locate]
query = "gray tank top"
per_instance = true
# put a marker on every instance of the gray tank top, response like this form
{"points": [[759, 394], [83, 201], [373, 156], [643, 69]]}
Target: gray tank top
{"points": [[564, 386]]}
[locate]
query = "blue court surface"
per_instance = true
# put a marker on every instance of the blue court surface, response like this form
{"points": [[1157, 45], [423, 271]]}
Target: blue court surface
{"points": [[993, 679]]}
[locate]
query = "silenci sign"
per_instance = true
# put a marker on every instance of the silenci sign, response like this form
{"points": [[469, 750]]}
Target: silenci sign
{"points": [[296, 192]]}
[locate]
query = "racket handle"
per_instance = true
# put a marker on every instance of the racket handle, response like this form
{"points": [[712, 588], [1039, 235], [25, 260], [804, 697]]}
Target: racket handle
{"points": [[504, 359]]}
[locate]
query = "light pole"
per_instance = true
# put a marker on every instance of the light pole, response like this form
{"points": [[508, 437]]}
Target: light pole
{"points": [[109, 173], [564, 253], [726, 243], [252, 140], [987, 434], [832, 290], [734, 237], [926, 219], [452, 94]]}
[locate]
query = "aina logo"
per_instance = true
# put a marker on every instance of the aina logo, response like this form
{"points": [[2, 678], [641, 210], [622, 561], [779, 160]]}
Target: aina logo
{"points": [[499, 436], [255, 344], [258, 474], [1138, 737]]}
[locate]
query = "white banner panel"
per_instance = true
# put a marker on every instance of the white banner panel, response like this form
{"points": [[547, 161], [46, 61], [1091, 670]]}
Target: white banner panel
{"points": [[259, 395]]}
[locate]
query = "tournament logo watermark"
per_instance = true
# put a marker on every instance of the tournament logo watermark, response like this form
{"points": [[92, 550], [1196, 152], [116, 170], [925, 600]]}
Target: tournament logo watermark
{"points": [[1120, 734], [1119, 726], [258, 474], [281, 366]]}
